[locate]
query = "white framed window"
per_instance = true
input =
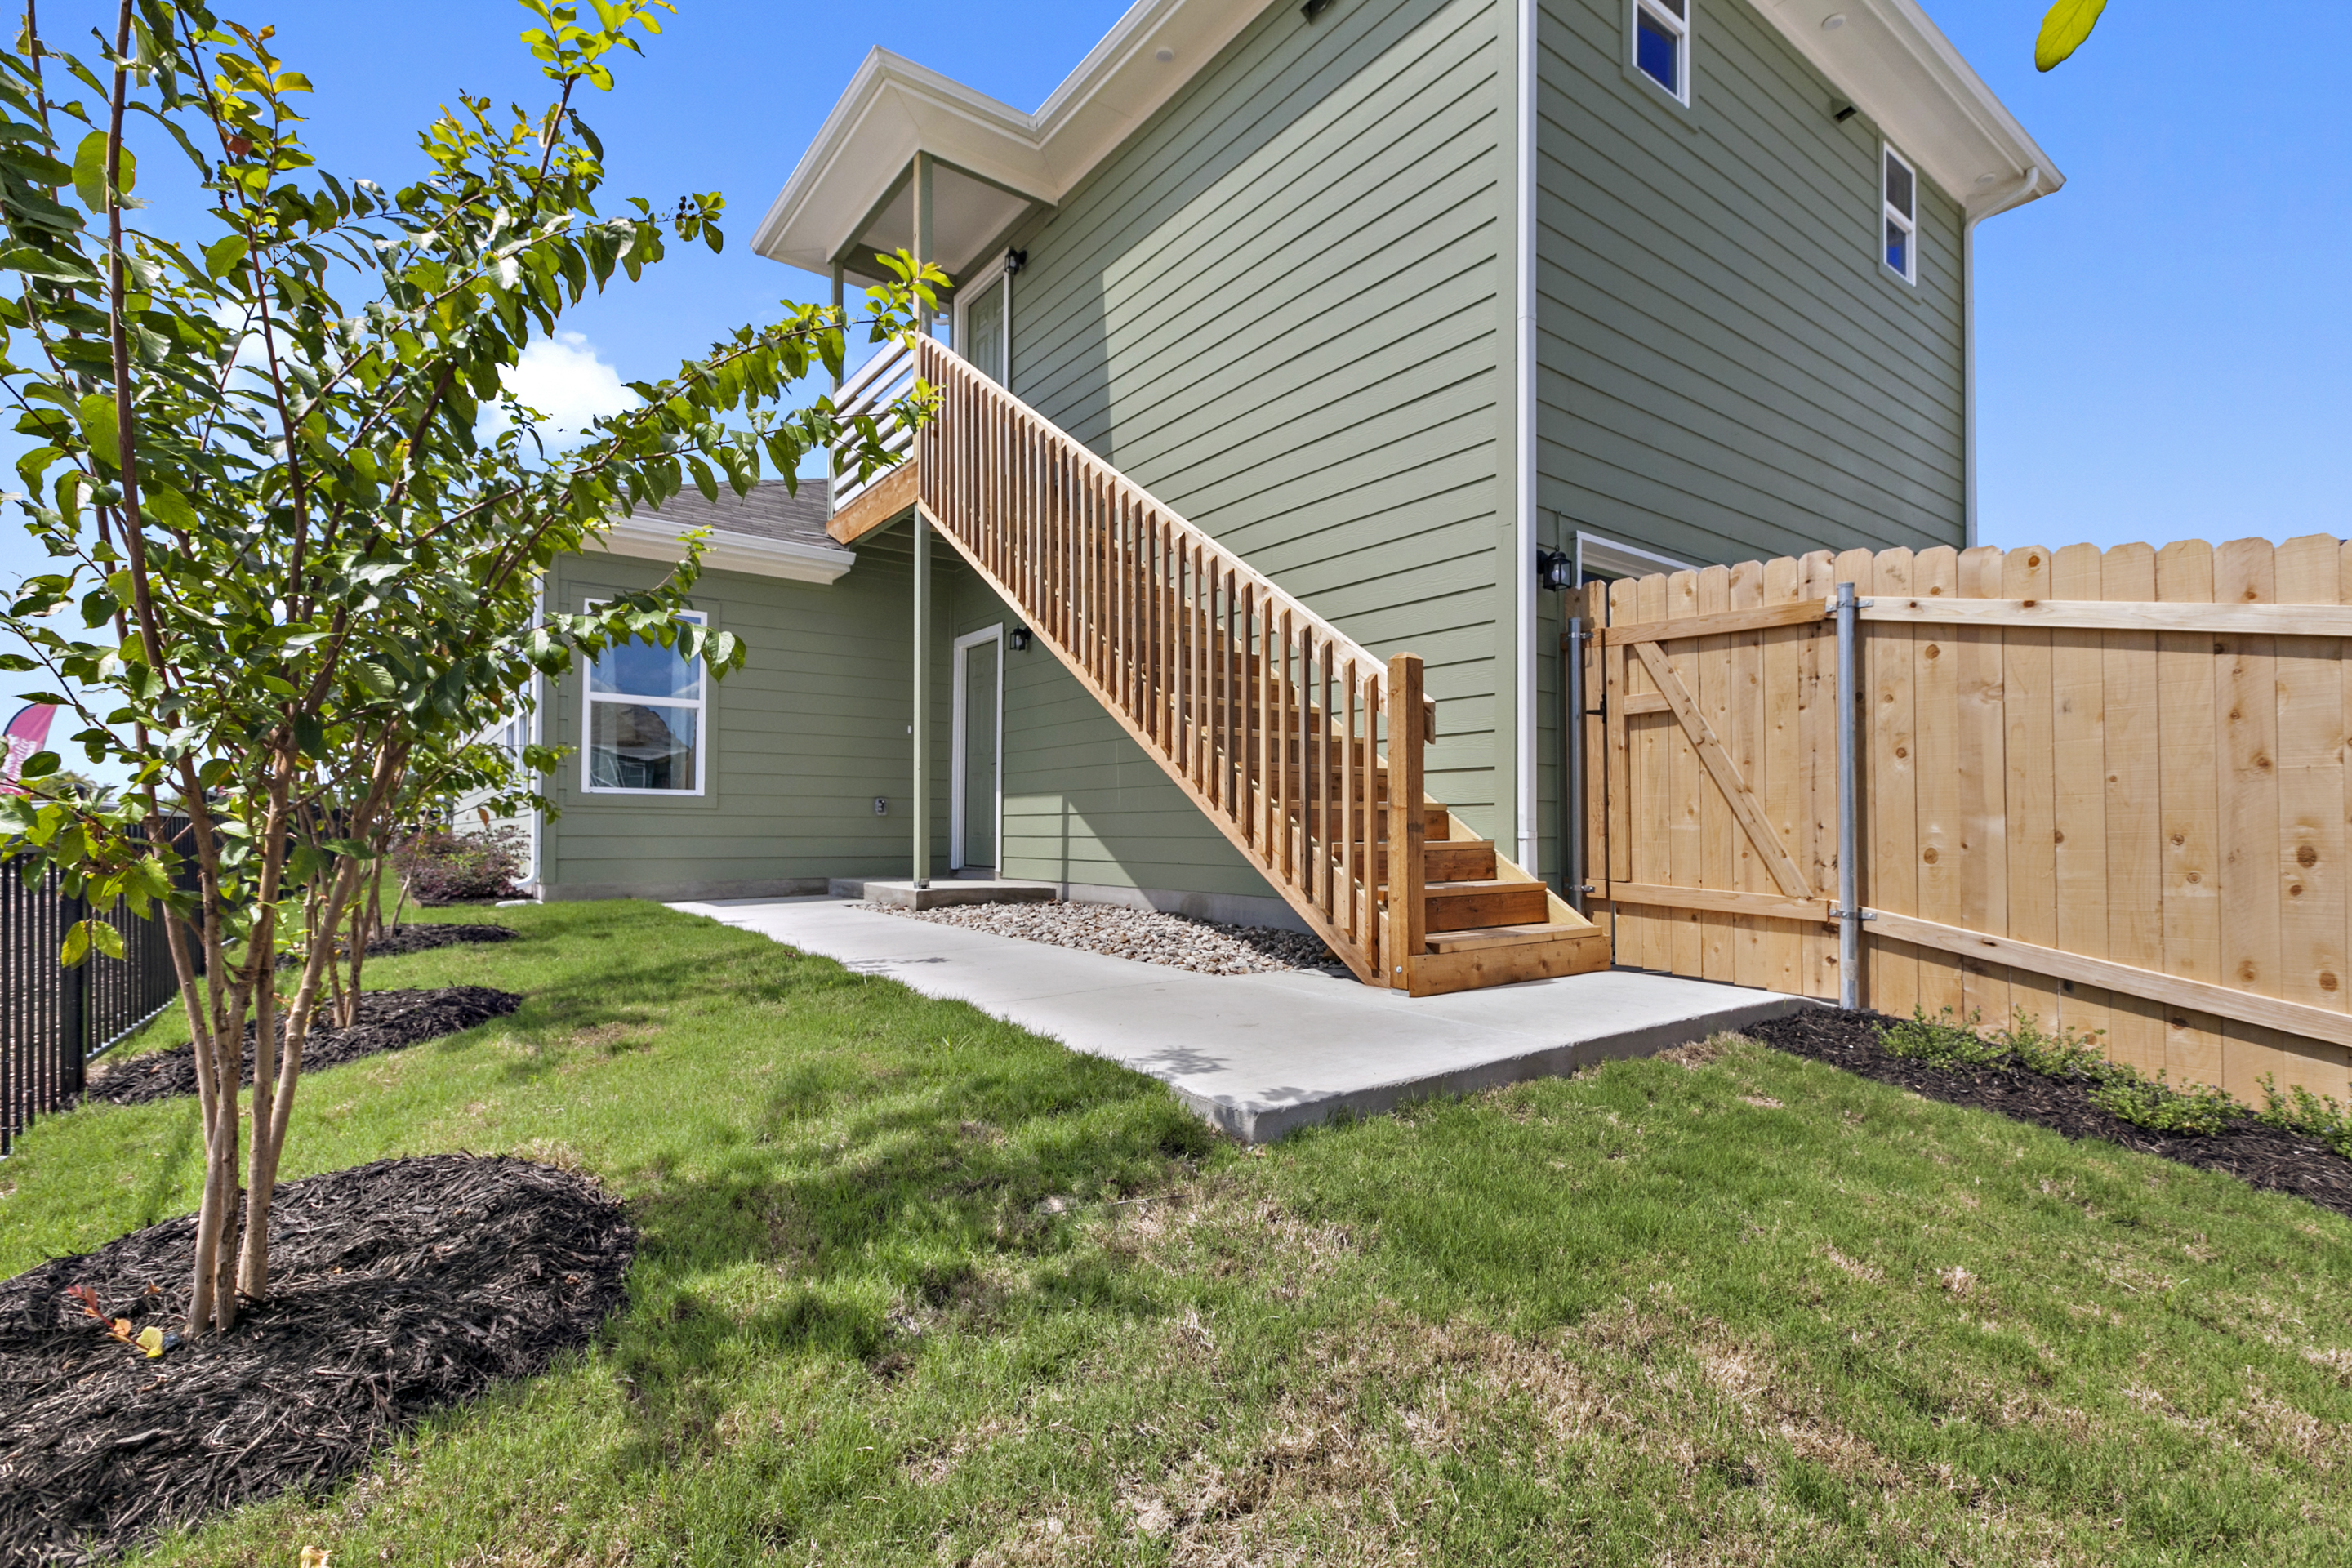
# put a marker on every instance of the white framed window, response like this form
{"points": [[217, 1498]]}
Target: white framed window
{"points": [[1898, 192], [1661, 30], [643, 725], [983, 322]]}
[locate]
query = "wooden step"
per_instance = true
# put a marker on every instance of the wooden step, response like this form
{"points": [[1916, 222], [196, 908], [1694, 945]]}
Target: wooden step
{"points": [[1444, 861], [1457, 860], [1464, 906], [1478, 937]]}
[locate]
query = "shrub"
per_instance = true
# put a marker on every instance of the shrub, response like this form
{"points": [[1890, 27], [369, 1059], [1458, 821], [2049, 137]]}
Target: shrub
{"points": [[2119, 1088], [437, 868], [2312, 1116]]}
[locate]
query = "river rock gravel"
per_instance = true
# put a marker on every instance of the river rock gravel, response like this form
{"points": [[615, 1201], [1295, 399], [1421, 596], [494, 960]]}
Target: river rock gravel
{"points": [[1148, 936]]}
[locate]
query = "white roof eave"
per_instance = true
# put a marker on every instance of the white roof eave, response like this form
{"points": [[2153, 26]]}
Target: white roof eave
{"points": [[1888, 56], [652, 540]]}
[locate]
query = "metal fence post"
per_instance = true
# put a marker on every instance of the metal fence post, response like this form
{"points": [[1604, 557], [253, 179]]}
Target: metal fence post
{"points": [[1849, 702], [73, 1008], [1572, 877]]}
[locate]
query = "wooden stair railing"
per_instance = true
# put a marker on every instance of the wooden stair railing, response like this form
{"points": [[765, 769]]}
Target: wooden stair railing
{"points": [[1303, 747]]}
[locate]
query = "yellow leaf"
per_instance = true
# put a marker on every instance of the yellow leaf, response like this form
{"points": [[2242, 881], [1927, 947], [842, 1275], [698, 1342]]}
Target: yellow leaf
{"points": [[2063, 29], [314, 1557], [151, 1339]]}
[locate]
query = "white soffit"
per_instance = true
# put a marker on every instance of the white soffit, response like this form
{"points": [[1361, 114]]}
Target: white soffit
{"points": [[1886, 56], [1900, 71], [648, 539]]}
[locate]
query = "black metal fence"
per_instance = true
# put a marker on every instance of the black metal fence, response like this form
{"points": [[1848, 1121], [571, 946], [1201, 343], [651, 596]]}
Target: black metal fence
{"points": [[54, 1019]]}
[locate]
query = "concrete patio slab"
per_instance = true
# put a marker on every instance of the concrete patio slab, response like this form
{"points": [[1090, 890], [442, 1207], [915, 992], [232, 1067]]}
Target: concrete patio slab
{"points": [[1260, 1055]]}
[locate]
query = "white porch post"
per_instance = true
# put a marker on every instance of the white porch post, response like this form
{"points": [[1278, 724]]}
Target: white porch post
{"points": [[921, 728]]}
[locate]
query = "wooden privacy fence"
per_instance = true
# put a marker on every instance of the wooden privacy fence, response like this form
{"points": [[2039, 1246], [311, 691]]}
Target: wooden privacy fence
{"points": [[2109, 790]]}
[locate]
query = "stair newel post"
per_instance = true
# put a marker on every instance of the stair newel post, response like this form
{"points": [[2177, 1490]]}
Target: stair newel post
{"points": [[1408, 832]]}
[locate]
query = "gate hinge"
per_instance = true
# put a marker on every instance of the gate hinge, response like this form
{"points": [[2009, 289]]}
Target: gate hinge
{"points": [[1854, 914]]}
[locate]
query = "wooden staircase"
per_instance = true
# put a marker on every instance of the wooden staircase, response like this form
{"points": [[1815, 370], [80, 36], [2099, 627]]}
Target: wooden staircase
{"points": [[1304, 749]]}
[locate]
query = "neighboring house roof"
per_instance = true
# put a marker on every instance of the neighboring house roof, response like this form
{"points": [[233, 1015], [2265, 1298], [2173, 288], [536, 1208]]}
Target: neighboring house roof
{"points": [[849, 193], [770, 531]]}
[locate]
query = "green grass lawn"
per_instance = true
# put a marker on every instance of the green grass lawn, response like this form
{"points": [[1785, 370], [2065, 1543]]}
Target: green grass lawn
{"points": [[918, 1287]]}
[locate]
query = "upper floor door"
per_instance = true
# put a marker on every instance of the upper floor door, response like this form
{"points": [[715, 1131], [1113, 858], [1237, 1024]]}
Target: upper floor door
{"points": [[984, 321]]}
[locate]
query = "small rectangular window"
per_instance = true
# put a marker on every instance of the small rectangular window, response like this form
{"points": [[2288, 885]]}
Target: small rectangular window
{"points": [[645, 720], [1662, 44], [1899, 193]]}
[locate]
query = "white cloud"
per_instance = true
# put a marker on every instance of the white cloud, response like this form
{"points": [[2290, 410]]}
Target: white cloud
{"points": [[563, 379]]}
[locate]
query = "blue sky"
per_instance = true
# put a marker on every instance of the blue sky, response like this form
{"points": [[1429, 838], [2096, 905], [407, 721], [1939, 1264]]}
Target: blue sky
{"points": [[2164, 345]]}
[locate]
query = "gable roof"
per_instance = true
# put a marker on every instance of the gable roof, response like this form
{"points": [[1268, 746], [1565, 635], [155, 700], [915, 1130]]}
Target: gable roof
{"points": [[999, 164]]}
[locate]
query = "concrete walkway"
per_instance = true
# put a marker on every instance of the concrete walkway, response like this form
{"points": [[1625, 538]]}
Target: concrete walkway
{"points": [[1259, 1055]]}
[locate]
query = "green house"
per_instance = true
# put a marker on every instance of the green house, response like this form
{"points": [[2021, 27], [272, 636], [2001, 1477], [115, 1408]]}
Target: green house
{"points": [[1417, 310]]}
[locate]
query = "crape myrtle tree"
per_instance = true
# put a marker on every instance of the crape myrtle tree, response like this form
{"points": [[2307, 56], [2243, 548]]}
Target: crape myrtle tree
{"points": [[290, 568]]}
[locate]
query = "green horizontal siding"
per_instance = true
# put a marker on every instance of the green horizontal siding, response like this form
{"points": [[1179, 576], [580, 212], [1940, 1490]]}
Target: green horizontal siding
{"points": [[801, 740], [1276, 308], [1728, 371]]}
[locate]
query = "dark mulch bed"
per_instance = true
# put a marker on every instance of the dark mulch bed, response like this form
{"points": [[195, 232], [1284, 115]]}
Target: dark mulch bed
{"points": [[388, 1020], [424, 936], [2260, 1155], [396, 1288]]}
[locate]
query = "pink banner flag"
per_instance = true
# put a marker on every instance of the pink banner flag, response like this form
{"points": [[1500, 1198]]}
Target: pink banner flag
{"points": [[26, 734]]}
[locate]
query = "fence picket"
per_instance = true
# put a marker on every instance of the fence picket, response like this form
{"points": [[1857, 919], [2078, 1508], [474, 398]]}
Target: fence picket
{"points": [[2138, 1031], [2029, 787], [2191, 810], [2078, 767]]}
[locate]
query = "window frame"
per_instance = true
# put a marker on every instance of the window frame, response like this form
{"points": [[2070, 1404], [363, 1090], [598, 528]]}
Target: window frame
{"points": [[967, 293], [1679, 26], [1908, 222], [700, 703]]}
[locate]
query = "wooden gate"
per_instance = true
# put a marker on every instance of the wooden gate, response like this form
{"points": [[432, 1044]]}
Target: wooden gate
{"points": [[2107, 789]]}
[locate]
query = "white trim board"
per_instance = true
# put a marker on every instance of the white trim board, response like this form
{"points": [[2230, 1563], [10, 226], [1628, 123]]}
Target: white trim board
{"points": [[1886, 55], [958, 732]]}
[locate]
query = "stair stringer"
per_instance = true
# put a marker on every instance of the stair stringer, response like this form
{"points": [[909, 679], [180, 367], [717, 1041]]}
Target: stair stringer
{"points": [[1370, 972]]}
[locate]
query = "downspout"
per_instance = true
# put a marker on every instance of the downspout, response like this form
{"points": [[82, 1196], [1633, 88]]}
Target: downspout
{"points": [[2021, 192], [1523, 533], [541, 695]]}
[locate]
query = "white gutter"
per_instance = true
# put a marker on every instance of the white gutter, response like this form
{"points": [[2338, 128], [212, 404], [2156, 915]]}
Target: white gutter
{"points": [[650, 539], [2017, 196], [1523, 532]]}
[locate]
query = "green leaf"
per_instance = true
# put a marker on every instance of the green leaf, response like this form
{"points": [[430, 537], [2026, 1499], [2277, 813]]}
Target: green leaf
{"points": [[76, 950], [98, 428], [105, 938], [2063, 29], [90, 170], [223, 256], [40, 765]]}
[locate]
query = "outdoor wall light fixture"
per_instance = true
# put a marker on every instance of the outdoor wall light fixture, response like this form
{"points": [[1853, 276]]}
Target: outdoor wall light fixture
{"points": [[1014, 260], [1020, 639], [1555, 569], [1848, 112], [881, 805], [1313, 8]]}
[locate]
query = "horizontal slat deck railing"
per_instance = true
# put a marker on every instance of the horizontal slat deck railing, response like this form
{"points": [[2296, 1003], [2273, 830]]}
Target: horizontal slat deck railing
{"points": [[1273, 721], [2107, 789], [871, 389]]}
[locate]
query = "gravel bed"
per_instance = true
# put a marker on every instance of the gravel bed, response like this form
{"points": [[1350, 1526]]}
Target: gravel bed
{"points": [[1147, 936]]}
